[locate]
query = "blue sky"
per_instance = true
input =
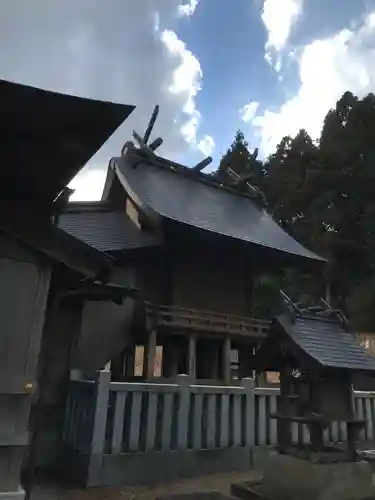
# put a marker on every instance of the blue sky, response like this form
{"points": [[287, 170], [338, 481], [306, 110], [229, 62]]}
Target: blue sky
{"points": [[229, 39], [205, 62]]}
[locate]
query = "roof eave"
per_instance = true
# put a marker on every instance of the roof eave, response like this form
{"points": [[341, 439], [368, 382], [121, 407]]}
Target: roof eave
{"points": [[54, 243], [49, 137]]}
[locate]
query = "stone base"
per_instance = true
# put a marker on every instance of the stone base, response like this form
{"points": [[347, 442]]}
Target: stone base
{"points": [[289, 478], [12, 495]]}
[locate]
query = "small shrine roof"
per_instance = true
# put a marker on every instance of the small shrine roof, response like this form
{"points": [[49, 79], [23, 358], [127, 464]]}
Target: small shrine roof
{"points": [[327, 342]]}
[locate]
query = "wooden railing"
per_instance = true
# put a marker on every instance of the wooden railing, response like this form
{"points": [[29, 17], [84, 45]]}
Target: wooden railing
{"points": [[181, 318], [80, 414], [266, 402], [134, 430], [177, 428]]}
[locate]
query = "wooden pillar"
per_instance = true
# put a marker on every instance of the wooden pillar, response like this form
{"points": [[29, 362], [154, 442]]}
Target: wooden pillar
{"points": [[245, 358], [192, 354], [166, 362], [129, 361], [149, 356], [213, 359], [170, 358], [207, 359], [226, 368], [117, 366]]}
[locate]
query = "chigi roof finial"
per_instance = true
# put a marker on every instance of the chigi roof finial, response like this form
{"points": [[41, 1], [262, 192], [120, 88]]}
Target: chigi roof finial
{"points": [[150, 149]]}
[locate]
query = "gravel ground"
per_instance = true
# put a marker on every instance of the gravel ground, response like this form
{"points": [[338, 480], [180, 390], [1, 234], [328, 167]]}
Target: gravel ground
{"points": [[218, 482]]}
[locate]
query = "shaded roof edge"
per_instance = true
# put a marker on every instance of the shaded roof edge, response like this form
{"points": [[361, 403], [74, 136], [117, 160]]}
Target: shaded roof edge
{"points": [[18, 98], [65, 94]]}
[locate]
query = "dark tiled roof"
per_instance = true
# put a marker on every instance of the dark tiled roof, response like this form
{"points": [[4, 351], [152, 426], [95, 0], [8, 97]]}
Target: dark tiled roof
{"points": [[104, 229], [328, 343], [205, 205]]}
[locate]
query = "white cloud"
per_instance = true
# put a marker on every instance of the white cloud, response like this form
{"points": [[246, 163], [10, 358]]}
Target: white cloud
{"points": [[89, 185], [279, 16], [187, 80], [248, 112], [327, 68], [187, 9], [186, 77], [206, 145], [115, 50]]}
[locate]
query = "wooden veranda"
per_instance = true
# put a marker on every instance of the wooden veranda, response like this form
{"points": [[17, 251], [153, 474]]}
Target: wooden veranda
{"points": [[183, 320], [184, 333]]}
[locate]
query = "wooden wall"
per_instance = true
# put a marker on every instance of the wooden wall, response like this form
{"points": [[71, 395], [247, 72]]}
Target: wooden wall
{"points": [[151, 278], [212, 279], [105, 330], [24, 284], [62, 327]]}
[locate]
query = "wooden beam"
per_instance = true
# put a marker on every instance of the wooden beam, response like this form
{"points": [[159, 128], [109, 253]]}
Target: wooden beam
{"points": [[202, 164], [151, 124]]}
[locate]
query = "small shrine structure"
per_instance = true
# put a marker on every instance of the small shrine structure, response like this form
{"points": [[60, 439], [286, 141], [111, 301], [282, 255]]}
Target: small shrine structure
{"points": [[317, 358]]}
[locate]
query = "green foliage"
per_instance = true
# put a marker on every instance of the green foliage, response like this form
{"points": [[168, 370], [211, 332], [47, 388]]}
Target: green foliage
{"points": [[323, 194], [240, 160]]}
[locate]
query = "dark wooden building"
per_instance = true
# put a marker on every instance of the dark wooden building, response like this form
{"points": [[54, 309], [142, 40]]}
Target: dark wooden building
{"points": [[192, 247], [46, 140]]}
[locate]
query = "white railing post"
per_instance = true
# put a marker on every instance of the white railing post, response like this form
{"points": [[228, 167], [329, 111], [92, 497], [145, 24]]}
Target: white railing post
{"points": [[248, 384], [183, 409], [99, 427]]}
